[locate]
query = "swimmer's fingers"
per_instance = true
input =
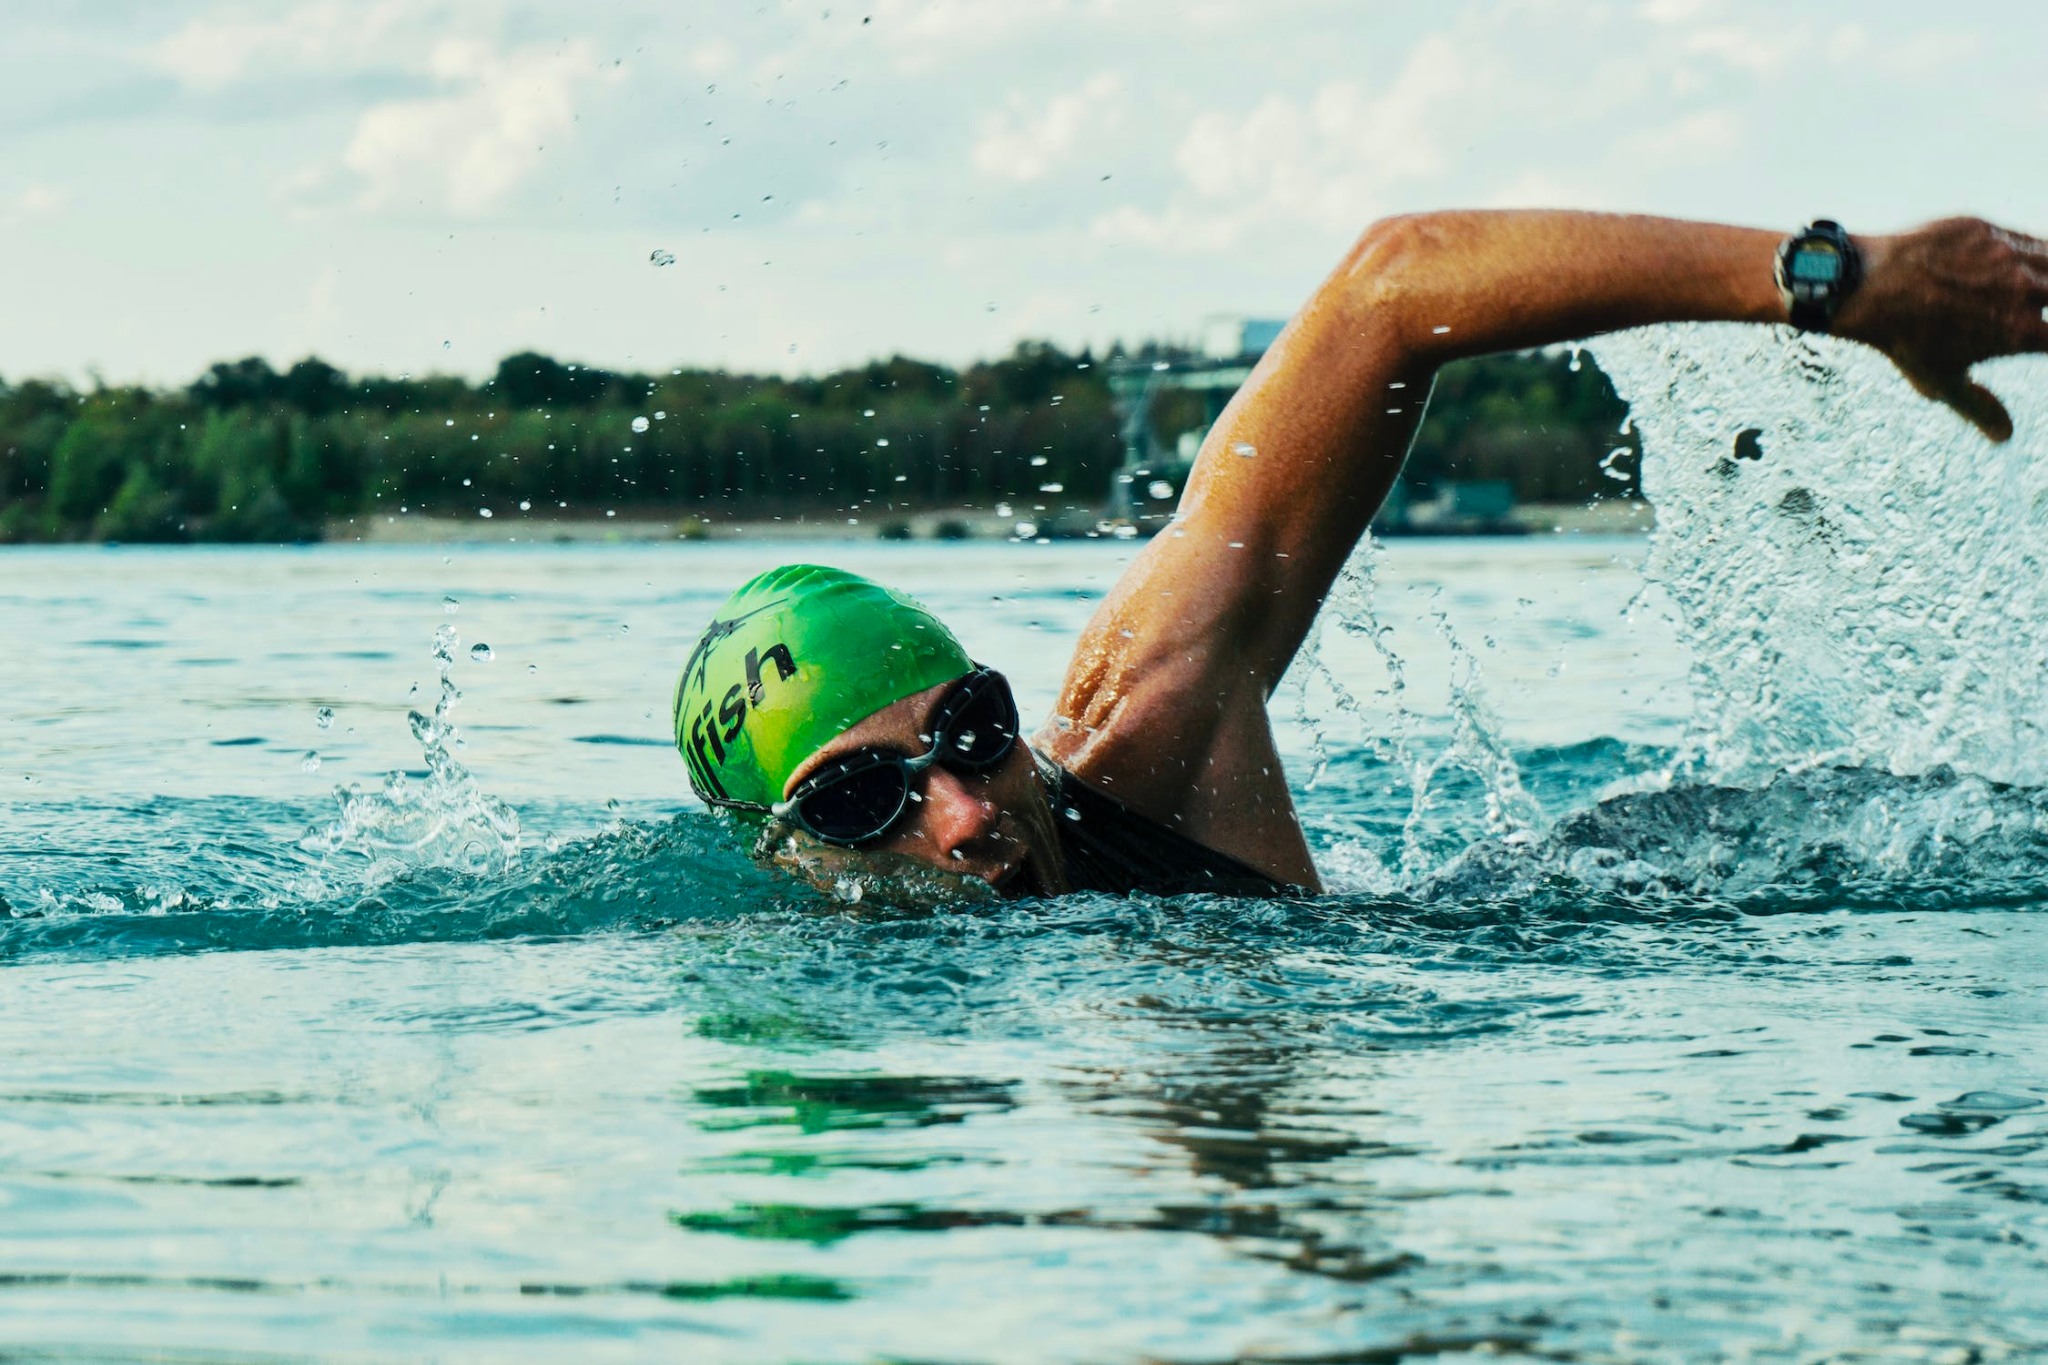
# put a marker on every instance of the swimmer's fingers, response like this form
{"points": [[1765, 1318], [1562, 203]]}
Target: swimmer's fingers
{"points": [[1977, 405], [1981, 408]]}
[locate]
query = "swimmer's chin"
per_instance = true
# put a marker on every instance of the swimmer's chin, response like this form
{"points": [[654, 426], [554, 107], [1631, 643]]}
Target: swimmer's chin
{"points": [[855, 876]]}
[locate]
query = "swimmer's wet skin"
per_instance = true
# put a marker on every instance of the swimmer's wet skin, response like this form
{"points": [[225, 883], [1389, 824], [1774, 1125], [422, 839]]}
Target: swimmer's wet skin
{"points": [[851, 714]]}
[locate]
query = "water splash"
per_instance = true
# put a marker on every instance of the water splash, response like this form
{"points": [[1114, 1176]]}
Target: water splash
{"points": [[446, 822], [1389, 732], [1856, 574], [1833, 836]]}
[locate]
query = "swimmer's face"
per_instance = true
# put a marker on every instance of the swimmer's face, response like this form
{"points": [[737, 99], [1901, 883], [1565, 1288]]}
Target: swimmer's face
{"points": [[995, 826]]}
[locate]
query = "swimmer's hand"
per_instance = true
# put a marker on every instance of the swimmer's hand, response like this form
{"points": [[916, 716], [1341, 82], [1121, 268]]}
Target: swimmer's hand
{"points": [[1943, 297]]}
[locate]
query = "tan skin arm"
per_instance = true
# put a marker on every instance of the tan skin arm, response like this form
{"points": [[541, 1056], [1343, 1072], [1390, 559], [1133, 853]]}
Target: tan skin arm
{"points": [[1164, 703]]}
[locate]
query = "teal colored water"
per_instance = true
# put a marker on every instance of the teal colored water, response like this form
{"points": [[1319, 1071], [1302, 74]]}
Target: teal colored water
{"points": [[1622, 1034]]}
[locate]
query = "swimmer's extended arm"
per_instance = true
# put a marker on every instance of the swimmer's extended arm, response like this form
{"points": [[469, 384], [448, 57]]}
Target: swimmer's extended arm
{"points": [[1165, 699]]}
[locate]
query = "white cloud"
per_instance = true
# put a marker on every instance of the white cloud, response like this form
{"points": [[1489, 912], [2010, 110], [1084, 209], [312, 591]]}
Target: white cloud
{"points": [[468, 148], [1328, 162], [33, 202], [233, 43], [465, 147], [1025, 141], [1675, 11], [1707, 136]]}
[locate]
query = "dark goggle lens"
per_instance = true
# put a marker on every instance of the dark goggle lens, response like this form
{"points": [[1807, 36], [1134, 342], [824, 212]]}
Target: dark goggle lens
{"points": [[860, 797], [978, 725], [858, 805]]}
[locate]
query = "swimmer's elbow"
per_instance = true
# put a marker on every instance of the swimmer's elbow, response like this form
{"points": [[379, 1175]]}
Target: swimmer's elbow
{"points": [[1383, 280]]}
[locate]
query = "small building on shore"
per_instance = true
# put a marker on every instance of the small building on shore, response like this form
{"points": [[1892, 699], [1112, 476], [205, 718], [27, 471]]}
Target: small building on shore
{"points": [[1166, 404]]}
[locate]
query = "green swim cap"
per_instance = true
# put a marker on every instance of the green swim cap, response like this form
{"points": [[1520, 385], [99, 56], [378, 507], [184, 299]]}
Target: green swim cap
{"points": [[792, 659]]}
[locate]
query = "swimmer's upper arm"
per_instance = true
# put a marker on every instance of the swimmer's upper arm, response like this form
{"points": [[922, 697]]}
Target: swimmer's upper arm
{"points": [[1164, 702], [1165, 698], [1328, 414], [1166, 693]]}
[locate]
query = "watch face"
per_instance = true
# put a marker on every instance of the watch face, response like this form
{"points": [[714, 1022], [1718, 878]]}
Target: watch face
{"points": [[1816, 263]]}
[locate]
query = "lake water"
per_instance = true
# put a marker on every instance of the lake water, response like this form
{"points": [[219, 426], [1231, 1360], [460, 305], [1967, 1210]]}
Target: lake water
{"points": [[1678, 995]]}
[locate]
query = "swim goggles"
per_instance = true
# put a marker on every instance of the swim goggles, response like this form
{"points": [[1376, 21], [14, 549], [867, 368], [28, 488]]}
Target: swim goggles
{"points": [[859, 797]]}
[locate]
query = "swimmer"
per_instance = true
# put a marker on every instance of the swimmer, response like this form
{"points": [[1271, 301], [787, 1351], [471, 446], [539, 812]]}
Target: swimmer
{"points": [[850, 719]]}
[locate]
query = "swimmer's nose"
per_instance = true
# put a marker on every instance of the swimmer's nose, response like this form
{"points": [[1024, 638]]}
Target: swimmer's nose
{"points": [[958, 814]]}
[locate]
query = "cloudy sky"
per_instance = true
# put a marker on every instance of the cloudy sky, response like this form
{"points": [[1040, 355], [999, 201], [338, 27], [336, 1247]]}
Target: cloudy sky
{"points": [[409, 185]]}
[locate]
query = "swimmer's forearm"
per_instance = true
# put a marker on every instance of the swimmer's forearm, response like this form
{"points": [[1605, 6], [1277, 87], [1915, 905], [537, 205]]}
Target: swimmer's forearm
{"points": [[1442, 286], [1422, 290], [1338, 398]]}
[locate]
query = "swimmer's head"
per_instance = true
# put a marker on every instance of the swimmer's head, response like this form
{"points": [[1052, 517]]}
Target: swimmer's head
{"points": [[805, 667]]}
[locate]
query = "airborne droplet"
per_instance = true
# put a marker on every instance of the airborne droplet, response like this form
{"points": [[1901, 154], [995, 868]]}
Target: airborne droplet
{"points": [[324, 717], [661, 258], [640, 424], [480, 653]]}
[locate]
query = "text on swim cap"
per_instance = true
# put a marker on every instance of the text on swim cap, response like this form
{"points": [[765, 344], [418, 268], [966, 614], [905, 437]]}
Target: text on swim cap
{"points": [[732, 714]]}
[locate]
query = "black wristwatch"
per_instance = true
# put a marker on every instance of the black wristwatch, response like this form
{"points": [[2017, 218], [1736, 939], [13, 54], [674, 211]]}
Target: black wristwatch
{"points": [[1818, 269]]}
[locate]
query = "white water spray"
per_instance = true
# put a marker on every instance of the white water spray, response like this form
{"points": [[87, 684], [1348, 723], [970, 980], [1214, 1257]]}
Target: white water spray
{"points": [[1857, 574], [446, 822]]}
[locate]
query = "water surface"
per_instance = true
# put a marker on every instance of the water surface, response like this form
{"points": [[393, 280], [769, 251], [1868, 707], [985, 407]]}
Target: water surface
{"points": [[1622, 1035]]}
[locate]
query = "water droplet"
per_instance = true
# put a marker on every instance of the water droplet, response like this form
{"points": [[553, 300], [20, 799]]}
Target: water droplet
{"points": [[867, 412], [533, 668], [447, 345], [1160, 365], [625, 629], [310, 763], [484, 512], [661, 258], [1244, 448], [1159, 488], [1037, 461], [324, 717], [1439, 330], [639, 424], [1071, 813], [480, 653], [525, 506], [450, 605]]}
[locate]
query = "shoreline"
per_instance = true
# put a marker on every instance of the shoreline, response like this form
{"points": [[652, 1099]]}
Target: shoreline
{"points": [[1609, 516]]}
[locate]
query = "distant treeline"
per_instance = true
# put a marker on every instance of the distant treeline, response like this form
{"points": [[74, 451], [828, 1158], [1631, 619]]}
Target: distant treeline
{"points": [[248, 453]]}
